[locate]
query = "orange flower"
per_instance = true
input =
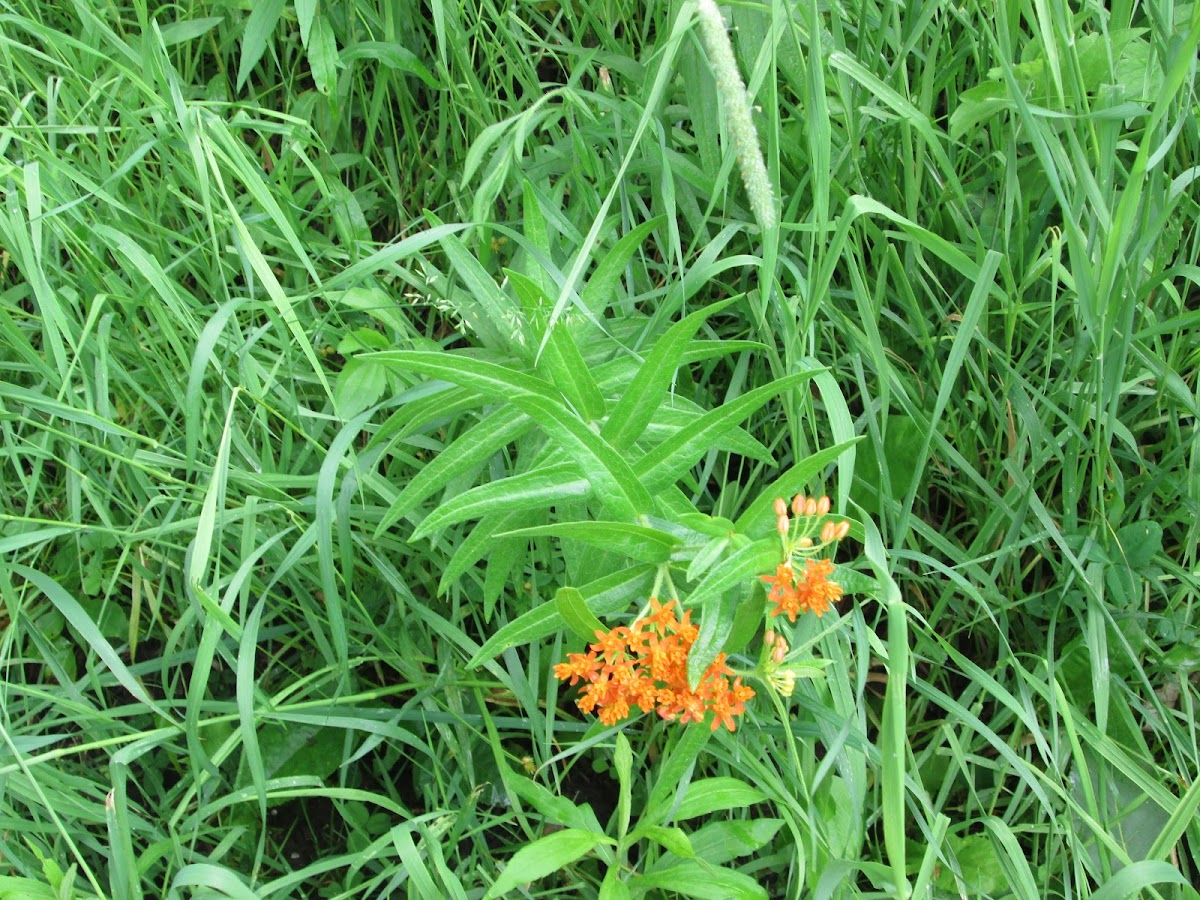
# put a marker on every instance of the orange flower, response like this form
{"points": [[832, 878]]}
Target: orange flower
{"points": [[813, 592], [645, 665]]}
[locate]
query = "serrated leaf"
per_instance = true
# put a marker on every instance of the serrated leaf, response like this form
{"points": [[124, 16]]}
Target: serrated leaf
{"points": [[544, 856], [260, 26], [532, 490], [575, 613], [663, 465], [603, 597], [634, 541]]}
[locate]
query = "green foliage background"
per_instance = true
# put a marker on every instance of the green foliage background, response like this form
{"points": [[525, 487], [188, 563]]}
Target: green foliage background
{"points": [[336, 338]]}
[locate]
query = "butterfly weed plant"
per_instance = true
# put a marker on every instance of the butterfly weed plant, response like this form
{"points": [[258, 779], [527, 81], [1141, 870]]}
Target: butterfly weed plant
{"points": [[415, 421]]}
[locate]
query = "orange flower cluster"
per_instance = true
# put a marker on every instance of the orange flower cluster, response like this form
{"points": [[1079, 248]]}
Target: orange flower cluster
{"points": [[645, 665], [793, 593]]}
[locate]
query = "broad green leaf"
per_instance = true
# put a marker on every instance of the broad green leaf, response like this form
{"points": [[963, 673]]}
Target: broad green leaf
{"points": [[604, 597], [663, 465], [1140, 542], [715, 624], [741, 567], [613, 888], [634, 541], [305, 11], [719, 842], [623, 764], [188, 29], [709, 795], [544, 856], [359, 385], [555, 808], [645, 393], [468, 451], [323, 56], [575, 614], [533, 490], [671, 838], [260, 26], [696, 878]]}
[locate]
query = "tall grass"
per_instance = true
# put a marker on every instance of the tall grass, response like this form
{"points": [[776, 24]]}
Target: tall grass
{"points": [[337, 340]]}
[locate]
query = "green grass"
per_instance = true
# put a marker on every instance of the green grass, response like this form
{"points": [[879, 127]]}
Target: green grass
{"points": [[331, 336]]}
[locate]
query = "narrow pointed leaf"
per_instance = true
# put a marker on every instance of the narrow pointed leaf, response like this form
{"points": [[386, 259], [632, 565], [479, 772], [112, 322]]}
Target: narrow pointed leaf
{"points": [[470, 450], [635, 541], [533, 490], [649, 386], [663, 465]]}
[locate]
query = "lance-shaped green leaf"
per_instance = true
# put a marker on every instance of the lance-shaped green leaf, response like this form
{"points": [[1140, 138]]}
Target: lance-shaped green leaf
{"points": [[560, 363], [635, 541], [544, 856], [446, 403], [663, 465], [573, 608], [600, 289], [470, 450], [479, 542], [492, 314], [603, 597], [492, 379], [533, 490], [649, 386], [611, 477]]}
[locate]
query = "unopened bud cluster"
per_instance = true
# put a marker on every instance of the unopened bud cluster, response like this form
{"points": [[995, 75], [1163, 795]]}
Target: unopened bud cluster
{"points": [[795, 591]]}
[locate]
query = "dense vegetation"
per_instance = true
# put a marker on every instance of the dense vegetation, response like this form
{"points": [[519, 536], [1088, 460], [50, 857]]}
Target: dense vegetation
{"points": [[356, 357]]}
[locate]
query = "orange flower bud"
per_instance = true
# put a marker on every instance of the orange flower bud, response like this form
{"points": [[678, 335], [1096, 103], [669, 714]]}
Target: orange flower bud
{"points": [[769, 637], [780, 507], [810, 507], [827, 532], [779, 652], [823, 506], [782, 525], [804, 543], [798, 504], [841, 531]]}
